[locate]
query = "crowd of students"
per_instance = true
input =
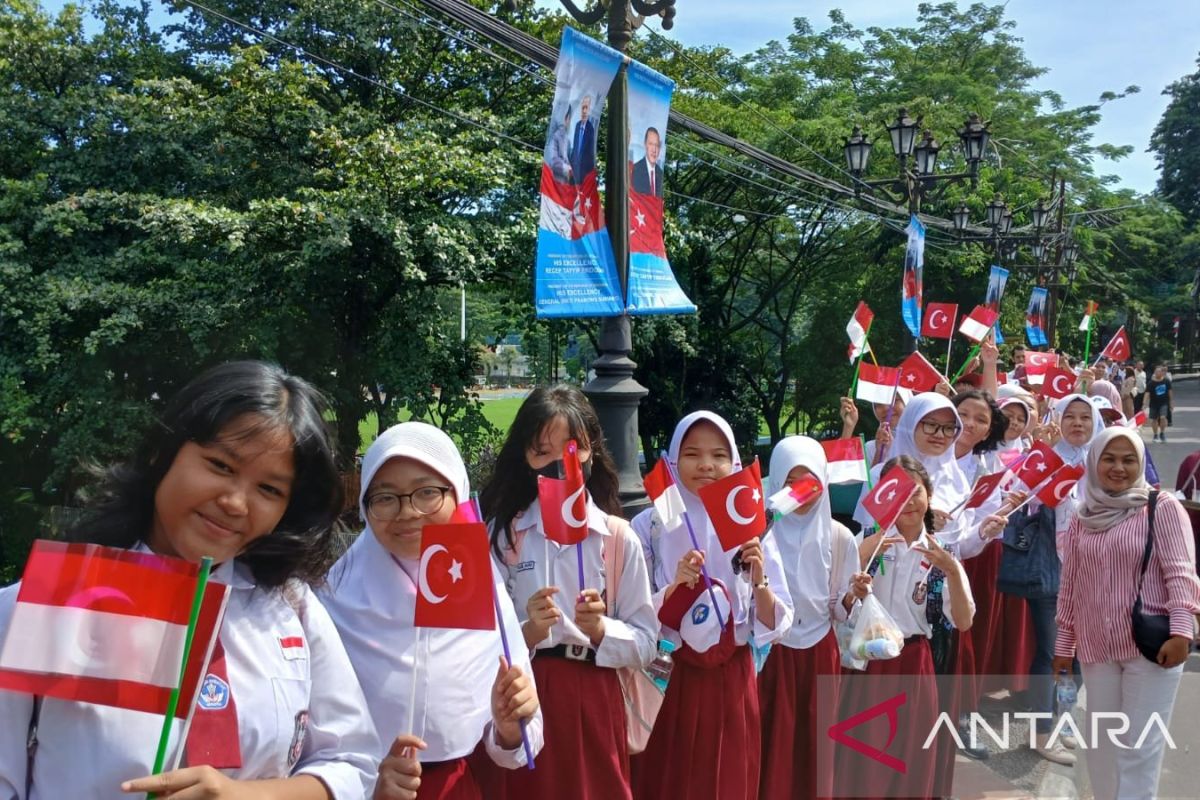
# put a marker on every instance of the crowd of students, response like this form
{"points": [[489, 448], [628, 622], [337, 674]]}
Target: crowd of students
{"points": [[241, 468]]}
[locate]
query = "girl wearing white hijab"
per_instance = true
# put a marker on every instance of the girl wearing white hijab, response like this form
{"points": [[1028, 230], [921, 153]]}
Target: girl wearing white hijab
{"points": [[453, 684], [707, 739], [1100, 581], [820, 563]]}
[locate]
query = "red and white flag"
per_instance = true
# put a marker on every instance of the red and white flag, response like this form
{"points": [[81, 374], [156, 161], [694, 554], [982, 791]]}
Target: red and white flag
{"points": [[563, 503], [858, 328], [939, 320], [845, 460], [877, 384], [1056, 490], [663, 492], [789, 498], [984, 487], [1058, 383], [978, 324], [885, 502], [107, 626], [735, 506], [917, 374], [1118, 348], [454, 579], [1037, 365], [1139, 419], [1040, 464], [1088, 313]]}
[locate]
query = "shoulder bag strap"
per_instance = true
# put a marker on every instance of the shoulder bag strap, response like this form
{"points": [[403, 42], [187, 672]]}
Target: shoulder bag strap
{"points": [[614, 561], [1150, 506]]}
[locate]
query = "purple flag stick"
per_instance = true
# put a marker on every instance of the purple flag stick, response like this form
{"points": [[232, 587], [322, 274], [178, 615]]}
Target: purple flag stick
{"points": [[504, 641], [712, 595], [579, 555]]}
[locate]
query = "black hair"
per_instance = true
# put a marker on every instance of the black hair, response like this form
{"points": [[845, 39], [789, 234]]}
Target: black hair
{"points": [[302, 545], [999, 422], [649, 131], [513, 485], [915, 469]]}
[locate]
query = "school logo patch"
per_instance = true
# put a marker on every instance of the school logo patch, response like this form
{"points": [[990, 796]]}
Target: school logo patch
{"points": [[297, 746], [214, 693], [699, 614], [919, 592]]}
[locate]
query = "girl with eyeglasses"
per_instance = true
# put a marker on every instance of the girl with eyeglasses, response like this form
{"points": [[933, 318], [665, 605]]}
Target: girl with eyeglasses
{"points": [[579, 635], [454, 685]]}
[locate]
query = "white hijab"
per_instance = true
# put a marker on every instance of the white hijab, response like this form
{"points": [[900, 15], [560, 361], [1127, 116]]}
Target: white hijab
{"points": [[950, 485], [805, 540], [1099, 510], [1027, 401], [1067, 451]]}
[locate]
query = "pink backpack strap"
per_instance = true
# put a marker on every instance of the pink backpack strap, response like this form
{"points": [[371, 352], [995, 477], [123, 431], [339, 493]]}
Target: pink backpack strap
{"points": [[614, 560]]}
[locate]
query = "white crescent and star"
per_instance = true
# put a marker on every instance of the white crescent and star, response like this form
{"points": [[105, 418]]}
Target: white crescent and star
{"points": [[933, 319], [423, 574], [568, 510], [878, 498], [1054, 384], [731, 505], [1061, 490]]}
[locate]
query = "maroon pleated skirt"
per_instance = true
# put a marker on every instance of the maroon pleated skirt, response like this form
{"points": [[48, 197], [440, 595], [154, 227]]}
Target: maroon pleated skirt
{"points": [[585, 756], [989, 603], [449, 780], [792, 701], [1013, 647], [706, 741]]}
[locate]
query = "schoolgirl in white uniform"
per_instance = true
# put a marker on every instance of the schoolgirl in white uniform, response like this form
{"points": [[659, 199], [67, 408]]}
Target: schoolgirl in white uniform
{"points": [[413, 476], [240, 468]]}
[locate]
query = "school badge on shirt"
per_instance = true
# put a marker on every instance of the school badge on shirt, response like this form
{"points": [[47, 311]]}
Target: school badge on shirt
{"points": [[214, 693], [297, 746]]}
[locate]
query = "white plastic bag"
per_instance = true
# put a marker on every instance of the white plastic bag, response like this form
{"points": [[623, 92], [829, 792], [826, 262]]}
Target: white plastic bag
{"points": [[876, 635], [845, 632]]}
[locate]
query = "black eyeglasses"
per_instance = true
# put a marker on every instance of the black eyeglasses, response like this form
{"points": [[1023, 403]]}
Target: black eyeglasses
{"points": [[386, 506], [931, 428]]}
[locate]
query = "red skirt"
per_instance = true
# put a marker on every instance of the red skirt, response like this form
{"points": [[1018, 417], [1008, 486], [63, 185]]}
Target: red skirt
{"points": [[585, 755], [792, 700], [989, 604], [706, 740], [1012, 648], [902, 767], [449, 780]]}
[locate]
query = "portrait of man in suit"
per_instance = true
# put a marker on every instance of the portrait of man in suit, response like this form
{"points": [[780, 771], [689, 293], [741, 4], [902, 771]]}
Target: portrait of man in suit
{"points": [[583, 141], [647, 174], [557, 154]]}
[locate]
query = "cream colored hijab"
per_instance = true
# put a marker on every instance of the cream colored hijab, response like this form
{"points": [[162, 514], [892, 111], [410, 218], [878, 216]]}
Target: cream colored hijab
{"points": [[1098, 509]]}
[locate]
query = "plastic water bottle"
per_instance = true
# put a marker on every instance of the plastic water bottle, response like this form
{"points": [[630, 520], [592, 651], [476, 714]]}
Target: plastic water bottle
{"points": [[1065, 692], [660, 668]]}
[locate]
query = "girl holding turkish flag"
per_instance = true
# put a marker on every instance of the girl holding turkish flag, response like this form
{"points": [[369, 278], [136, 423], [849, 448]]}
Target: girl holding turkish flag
{"points": [[452, 684], [579, 635], [707, 740]]}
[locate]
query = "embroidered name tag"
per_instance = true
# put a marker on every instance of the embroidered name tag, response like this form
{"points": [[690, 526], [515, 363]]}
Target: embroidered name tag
{"points": [[214, 693], [525, 566]]}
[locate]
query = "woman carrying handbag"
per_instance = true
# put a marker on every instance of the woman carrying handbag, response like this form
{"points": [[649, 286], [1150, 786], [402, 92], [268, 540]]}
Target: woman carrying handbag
{"points": [[1125, 607]]}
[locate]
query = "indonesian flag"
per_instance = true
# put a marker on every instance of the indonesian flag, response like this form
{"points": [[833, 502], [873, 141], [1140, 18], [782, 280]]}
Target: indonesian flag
{"points": [[858, 328], [1037, 365], [789, 498], [939, 320], [1088, 313], [1040, 464], [1139, 419], [735, 506], [1058, 383], [846, 462], [885, 502], [976, 325], [664, 493], [1055, 491], [107, 626], [1118, 346], [984, 487], [454, 580], [877, 384], [570, 210], [563, 503], [917, 374]]}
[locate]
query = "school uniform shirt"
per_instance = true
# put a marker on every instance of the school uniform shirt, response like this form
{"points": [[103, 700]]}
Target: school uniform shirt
{"points": [[372, 598], [631, 637], [902, 585], [299, 709]]}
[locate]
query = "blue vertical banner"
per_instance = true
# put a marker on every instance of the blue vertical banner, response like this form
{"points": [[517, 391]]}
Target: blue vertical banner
{"points": [[914, 267], [652, 286], [997, 280], [1035, 317], [575, 274]]}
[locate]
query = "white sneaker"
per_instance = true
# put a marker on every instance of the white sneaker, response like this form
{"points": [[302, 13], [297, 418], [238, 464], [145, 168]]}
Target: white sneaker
{"points": [[1056, 754]]}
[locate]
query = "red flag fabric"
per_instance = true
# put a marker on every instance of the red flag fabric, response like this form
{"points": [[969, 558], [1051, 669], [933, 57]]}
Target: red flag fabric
{"points": [[1039, 363], [978, 324], [1118, 348], [984, 487], [1058, 383], [454, 579], [885, 502], [939, 320], [107, 626], [789, 498], [1056, 490], [465, 512], [663, 492], [845, 460], [859, 325], [876, 384], [1041, 463], [1139, 419], [563, 503], [735, 506], [646, 224], [917, 374]]}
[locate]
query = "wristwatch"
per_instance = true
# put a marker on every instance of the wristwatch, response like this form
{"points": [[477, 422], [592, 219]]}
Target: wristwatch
{"points": [[766, 582]]}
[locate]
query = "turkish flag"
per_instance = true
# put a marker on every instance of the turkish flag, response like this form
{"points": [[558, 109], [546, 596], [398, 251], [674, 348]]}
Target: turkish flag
{"points": [[885, 502], [646, 224], [1040, 464], [1058, 383], [563, 503], [1039, 363], [918, 374], [1118, 348], [984, 487], [735, 506], [454, 580], [1056, 490], [939, 320]]}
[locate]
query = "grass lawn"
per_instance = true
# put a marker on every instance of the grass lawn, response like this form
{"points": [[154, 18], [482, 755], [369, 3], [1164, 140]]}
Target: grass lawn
{"points": [[499, 412]]}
